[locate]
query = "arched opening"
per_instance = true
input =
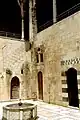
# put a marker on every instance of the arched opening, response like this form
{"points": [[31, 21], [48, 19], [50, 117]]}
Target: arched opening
{"points": [[72, 87], [40, 85], [39, 55], [15, 88]]}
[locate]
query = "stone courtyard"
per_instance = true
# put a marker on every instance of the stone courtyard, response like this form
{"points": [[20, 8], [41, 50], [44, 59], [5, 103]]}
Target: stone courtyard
{"points": [[50, 112], [44, 70]]}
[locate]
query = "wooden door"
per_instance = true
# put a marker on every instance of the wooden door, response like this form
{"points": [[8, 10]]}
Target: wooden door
{"points": [[14, 88], [40, 85]]}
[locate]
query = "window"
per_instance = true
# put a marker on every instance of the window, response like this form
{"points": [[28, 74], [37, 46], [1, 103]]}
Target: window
{"points": [[39, 56], [38, 49], [21, 71]]}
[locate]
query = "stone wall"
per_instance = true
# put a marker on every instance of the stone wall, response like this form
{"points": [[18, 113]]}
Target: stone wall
{"points": [[12, 57], [61, 42]]}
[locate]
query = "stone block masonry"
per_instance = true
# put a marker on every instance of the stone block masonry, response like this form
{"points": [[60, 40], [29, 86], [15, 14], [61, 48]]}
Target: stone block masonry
{"points": [[60, 46]]}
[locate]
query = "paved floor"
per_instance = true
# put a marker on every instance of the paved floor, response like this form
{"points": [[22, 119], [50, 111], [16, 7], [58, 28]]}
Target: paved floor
{"points": [[51, 112]]}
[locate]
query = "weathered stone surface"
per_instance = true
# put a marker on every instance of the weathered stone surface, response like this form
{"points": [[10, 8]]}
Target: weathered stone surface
{"points": [[25, 112], [59, 42]]}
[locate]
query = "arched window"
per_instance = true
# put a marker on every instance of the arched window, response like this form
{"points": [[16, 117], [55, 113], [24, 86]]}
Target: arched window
{"points": [[39, 56]]}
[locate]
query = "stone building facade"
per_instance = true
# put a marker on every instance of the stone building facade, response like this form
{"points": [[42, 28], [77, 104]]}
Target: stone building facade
{"points": [[54, 77]]}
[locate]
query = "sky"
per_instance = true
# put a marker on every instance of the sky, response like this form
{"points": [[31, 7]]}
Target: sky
{"points": [[10, 17], [63, 5]]}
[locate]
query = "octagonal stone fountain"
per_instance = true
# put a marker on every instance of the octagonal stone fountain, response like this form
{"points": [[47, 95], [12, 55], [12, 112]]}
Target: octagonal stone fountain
{"points": [[20, 111]]}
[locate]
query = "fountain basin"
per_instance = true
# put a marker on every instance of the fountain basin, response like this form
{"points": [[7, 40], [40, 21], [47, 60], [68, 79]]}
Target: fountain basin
{"points": [[26, 111]]}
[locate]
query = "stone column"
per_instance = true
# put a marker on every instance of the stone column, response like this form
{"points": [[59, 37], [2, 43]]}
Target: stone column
{"points": [[54, 12], [30, 20], [21, 4], [33, 38], [22, 15]]}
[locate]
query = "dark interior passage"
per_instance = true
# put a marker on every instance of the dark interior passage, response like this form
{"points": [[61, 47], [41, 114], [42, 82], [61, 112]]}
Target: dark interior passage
{"points": [[72, 87]]}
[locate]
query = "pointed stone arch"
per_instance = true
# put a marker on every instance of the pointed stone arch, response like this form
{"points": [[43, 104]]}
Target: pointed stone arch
{"points": [[15, 85], [71, 75]]}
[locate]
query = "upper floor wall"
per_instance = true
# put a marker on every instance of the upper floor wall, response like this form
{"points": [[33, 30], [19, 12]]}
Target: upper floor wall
{"points": [[63, 36], [61, 42], [12, 54]]}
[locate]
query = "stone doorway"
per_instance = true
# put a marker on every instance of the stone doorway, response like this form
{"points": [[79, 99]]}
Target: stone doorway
{"points": [[40, 85], [72, 87], [15, 88]]}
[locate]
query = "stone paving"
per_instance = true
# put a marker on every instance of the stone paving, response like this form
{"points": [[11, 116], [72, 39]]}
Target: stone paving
{"points": [[51, 112]]}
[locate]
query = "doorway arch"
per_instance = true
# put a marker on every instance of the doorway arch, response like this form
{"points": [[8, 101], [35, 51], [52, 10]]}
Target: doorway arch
{"points": [[40, 85], [15, 88], [72, 87]]}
